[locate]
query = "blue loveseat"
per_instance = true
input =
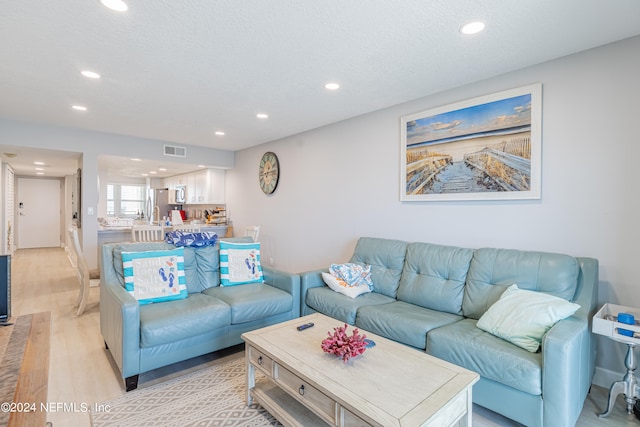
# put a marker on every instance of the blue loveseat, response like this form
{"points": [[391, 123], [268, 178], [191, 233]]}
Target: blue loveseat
{"points": [[430, 297], [145, 337]]}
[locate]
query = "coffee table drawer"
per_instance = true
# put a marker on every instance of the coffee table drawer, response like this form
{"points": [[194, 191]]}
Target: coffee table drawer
{"points": [[310, 396], [347, 418], [261, 361]]}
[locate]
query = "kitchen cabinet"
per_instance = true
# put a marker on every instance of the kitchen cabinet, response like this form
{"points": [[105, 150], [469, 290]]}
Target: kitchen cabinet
{"points": [[203, 187], [195, 187], [216, 186], [170, 183]]}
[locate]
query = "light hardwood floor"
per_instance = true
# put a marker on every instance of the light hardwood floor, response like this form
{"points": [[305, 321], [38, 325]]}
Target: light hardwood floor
{"points": [[82, 373]]}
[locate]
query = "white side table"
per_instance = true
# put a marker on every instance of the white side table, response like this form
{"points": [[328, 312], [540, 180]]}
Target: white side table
{"points": [[605, 322], [628, 385]]}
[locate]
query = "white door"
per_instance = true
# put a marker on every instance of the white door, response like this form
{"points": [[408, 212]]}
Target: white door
{"points": [[38, 207]]}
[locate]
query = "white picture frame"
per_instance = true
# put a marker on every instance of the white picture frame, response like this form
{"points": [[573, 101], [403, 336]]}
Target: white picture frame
{"points": [[485, 148]]}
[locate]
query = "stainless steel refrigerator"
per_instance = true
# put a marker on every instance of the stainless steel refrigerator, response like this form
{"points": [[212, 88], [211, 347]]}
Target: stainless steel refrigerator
{"points": [[158, 204]]}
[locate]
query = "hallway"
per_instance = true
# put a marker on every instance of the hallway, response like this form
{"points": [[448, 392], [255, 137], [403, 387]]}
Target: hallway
{"points": [[79, 371]]}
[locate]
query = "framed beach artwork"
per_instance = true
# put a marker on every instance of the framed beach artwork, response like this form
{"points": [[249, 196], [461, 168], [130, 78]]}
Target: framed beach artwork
{"points": [[485, 148]]}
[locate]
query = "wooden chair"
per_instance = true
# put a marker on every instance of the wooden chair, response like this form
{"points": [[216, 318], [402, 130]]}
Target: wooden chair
{"points": [[189, 228], [147, 233], [82, 271], [252, 231]]}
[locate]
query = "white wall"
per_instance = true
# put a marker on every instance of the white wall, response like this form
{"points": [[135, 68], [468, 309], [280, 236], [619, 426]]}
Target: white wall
{"points": [[341, 182]]}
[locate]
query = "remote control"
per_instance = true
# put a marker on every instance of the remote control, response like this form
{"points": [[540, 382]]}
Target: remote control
{"points": [[305, 326]]}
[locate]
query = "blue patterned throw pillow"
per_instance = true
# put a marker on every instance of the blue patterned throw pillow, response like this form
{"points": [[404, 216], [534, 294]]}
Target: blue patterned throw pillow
{"points": [[353, 274], [155, 276], [195, 240], [240, 263]]}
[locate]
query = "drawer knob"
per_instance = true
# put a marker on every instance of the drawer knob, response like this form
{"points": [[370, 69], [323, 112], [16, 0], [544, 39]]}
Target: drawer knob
{"points": [[260, 361], [301, 390]]}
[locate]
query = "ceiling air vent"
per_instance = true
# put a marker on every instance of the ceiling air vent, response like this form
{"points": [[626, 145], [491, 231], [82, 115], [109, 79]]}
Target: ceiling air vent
{"points": [[175, 151]]}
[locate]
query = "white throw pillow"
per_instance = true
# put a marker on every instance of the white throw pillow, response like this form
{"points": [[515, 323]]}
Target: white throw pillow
{"points": [[343, 287], [155, 276], [522, 317], [240, 263]]}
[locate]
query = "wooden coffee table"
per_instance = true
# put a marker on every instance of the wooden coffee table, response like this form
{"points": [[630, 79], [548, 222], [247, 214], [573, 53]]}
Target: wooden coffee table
{"points": [[389, 385]]}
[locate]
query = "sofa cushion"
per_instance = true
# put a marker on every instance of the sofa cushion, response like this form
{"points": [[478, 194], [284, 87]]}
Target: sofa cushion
{"points": [[522, 317], [403, 322], [386, 258], [434, 276], [252, 301], [176, 320], [555, 274], [479, 297], [463, 344], [339, 306], [202, 268]]}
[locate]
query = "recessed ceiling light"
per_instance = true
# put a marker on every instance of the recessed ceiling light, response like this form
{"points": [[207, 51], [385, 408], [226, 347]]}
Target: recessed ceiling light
{"points": [[201, 166], [262, 115], [39, 173], [79, 107], [162, 169], [153, 172], [472, 28], [39, 169], [90, 74], [117, 5], [39, 163], [219, 133], [332, 86], [144, 174], [136, 160]]}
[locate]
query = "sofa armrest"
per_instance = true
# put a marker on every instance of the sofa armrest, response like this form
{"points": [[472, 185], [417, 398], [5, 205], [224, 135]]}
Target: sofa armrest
{"points": [[308, 280], [287, 282], [566, 376], [587, 292], [569, 353], [120, 327]]}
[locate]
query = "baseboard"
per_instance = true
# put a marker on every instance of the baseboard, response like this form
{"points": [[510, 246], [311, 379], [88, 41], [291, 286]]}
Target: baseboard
{"points": [[605, 377]]}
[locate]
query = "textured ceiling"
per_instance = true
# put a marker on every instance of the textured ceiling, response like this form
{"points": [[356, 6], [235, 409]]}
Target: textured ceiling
{"points": [[179, 70]]}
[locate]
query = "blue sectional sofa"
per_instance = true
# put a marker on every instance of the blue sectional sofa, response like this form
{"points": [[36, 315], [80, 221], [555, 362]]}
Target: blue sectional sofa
{"points": [[430, 297], [145, 337]]}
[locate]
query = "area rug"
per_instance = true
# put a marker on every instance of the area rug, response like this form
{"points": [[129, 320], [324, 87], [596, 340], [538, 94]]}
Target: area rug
{"points": [[13, 340], [213, 396]]}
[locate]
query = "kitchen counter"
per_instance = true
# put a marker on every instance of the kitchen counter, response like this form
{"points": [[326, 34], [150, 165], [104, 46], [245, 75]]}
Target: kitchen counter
{"points": [[221, 230], [123, 234]]}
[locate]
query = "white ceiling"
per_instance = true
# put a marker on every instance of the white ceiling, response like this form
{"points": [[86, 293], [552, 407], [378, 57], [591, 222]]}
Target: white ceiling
{"points": [[179, 70], [58, 164]]}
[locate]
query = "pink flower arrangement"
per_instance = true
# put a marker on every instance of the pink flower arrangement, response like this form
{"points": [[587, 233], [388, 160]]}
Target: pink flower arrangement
{"points": [[342, 345]]}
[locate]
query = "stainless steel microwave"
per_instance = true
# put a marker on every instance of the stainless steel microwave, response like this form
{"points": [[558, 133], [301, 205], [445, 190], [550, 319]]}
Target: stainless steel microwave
{"points": [[181, 194]]}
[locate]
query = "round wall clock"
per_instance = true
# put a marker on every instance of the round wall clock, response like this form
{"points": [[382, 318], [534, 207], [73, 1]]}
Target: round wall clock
{"points": [[269, 172]]}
